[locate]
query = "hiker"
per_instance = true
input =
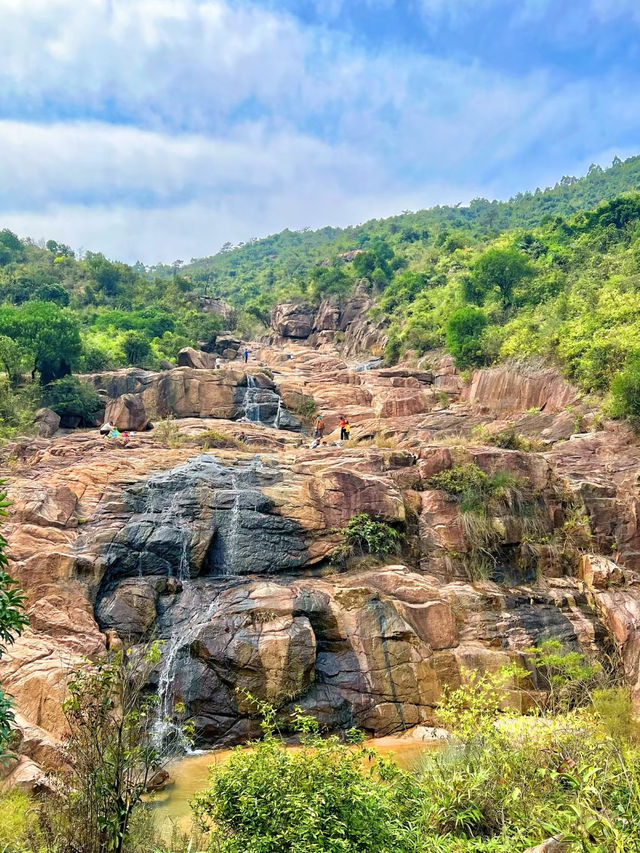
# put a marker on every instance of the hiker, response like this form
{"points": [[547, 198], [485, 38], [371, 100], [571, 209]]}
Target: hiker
{"points": [[344, 429], [115, 433], [106, 428], [246, 355], [218, 363], [319, 427]]}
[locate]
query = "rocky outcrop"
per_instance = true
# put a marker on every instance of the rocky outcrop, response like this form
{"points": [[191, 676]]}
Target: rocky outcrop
{"points": [[320, 327], [517, 389], [127, 413], [136, 397], [190, 357], [293, 320], [227, 555]]}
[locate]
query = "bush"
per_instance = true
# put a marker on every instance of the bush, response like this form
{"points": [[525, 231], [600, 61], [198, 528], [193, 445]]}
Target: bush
{"points": [[365, 534], [167, 431], [459, 480], [508, 438], [513, 781], [625, 391], [464, 336], [485, 504], [218, 440], [326, 796], [17, 821], [73, 400]]}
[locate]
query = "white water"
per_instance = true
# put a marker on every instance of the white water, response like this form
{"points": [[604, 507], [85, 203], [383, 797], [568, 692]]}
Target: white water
{"points": [[167, 732], [250, 404]]}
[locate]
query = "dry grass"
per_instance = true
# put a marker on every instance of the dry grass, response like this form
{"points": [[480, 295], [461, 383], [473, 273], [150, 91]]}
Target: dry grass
{"points": [[167, 431]]}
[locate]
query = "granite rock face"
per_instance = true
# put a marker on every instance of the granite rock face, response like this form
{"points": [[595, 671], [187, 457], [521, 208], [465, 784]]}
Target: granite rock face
{"points": [[227, 555]]}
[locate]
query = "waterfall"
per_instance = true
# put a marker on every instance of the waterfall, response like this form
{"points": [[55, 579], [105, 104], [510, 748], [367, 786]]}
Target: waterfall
{"points": [[276, 423], [251, 405], [168, 734]]}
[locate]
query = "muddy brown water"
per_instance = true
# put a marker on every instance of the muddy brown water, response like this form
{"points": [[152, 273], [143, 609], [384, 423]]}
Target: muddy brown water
{"points": [[191, 774]]}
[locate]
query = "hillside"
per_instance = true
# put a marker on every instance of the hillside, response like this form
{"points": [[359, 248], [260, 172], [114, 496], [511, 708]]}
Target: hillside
{"points": [[257, 272], [552, 275]]}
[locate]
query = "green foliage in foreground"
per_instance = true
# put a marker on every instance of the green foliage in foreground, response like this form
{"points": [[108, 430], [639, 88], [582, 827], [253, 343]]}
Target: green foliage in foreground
{"points": [[326, 796], [503, 783], [73, 400]]}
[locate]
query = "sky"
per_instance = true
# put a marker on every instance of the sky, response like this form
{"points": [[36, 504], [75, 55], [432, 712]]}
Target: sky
{"points": [[157, 130]]}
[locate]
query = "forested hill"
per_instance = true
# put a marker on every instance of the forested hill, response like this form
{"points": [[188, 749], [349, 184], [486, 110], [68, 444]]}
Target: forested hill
{"points": [[257, 273], [553, 275]]}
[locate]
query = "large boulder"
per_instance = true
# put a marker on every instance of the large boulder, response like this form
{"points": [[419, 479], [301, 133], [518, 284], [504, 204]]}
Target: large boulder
{"points": [[293, 320], [46, 423], [127, 413], [190, 357]]}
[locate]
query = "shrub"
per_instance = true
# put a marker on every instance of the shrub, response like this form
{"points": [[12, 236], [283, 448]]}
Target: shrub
{"points": [[167, 431], [219, 440], [73, 400], [365, 534], [17, 821], [111, 754], [485, 501], [464, 336], [568, 676], [459, 480], [625, 391], [326, 796], [508, 438], [508, 782]]}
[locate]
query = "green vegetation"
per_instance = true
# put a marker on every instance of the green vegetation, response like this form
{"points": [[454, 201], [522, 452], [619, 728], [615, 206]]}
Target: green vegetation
{"points": [[552, 274], [112, 757], [488, 505], [13, 620], [76, 402], [365, 534], [327, 796], [504, 781]]}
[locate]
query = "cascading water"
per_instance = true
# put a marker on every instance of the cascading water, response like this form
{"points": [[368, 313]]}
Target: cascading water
{"points": [[168, 733], [251, 404]]}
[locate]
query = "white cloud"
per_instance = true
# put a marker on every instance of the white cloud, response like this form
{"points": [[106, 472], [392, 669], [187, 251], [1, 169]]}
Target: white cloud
{"points": [[161, 128]]}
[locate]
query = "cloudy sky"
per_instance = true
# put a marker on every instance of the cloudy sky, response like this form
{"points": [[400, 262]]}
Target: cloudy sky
{"points": [[159, 129]]}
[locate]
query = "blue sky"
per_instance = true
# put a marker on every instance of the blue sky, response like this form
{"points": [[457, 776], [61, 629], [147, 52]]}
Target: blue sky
{"points": [[159, 129]]}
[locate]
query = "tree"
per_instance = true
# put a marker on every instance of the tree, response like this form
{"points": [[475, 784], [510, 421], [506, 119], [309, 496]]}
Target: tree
{"points": [[49, 334], [106, 274], [52, 293], [72, 400], [11, 356], [137, 348], [112, 754], [498, 271], [10, 247], [13, 620], [326, 281], [464, 333]]}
